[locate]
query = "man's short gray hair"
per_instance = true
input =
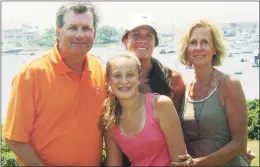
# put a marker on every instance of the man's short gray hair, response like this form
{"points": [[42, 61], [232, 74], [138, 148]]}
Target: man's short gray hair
{"points": [[77, 7]]}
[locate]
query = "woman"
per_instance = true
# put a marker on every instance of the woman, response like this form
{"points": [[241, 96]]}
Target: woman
{"points": [[214, 110], [140, 38], [140, 125]]}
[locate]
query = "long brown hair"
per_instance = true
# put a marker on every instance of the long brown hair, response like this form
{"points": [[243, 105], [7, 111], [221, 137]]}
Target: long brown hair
{"points": [[111, 108], [160, 79]]}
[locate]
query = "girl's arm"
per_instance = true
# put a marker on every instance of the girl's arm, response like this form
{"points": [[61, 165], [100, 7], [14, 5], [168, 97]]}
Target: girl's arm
{"points": [[169, 122], [113, 152]]}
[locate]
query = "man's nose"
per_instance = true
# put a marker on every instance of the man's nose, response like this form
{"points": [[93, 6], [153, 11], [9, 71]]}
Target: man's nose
{"points": [[79, 34]]}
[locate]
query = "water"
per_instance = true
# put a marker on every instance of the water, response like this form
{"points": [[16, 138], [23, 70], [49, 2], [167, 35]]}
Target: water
{"points": [[249, 79]]}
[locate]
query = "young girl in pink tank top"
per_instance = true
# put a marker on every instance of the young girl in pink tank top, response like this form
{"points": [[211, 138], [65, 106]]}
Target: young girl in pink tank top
{"points": [[145, 127]]}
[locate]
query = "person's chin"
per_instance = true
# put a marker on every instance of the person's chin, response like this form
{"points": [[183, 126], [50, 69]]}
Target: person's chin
{"points": [[79, 51], [124, 96], [143, 57]]}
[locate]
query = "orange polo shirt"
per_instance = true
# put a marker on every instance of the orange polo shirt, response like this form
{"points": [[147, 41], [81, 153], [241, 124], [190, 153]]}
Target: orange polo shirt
{"points": [[57, 111]]}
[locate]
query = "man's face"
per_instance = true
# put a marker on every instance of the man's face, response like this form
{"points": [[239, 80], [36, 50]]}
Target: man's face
{"points": [[77, 34]]}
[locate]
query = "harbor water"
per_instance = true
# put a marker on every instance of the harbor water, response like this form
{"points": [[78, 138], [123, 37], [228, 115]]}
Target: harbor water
{"points": [[248, 75]]}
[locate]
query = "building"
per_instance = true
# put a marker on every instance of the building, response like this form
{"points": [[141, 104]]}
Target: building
{"points": [[19, 32]]}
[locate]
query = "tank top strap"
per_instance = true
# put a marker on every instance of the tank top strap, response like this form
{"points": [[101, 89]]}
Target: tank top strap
{"points": [[149, 104], [221, 80]]}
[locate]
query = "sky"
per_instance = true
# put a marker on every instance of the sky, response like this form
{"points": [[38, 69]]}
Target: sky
{"points": [[116, 13]]}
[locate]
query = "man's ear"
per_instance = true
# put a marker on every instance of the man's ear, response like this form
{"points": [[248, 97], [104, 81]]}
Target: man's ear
{"points": [[124, 41], [58, 33]]}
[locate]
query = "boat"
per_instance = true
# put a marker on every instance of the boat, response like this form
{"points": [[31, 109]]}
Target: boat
{"points": [[239, 72], [256, 63], [12, 50], [188, 67], [230, 54], [244, 59], [27, 52], [166, 51]]}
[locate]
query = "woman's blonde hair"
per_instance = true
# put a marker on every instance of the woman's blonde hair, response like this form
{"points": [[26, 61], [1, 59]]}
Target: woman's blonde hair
{"points": [[111, 108], [217, 37]]}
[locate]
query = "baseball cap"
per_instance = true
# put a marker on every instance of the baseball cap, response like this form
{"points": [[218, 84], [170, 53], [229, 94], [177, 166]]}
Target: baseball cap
{"points": [[137, 21]]}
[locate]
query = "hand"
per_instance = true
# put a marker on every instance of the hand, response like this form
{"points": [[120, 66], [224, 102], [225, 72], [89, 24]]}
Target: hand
{"points": [[184, 160], [249, 156]]}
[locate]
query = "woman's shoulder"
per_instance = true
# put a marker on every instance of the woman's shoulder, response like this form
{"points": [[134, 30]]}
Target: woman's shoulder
{"points": [[177, 81], [229, 86], [227, 81]]}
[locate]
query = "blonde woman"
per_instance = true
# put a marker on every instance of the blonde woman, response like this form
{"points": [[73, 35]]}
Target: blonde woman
{"points": [[214, 110]]}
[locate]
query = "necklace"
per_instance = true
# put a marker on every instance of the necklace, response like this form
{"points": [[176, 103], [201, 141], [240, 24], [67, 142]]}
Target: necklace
{"points": [[204, 99], [198, 90]]}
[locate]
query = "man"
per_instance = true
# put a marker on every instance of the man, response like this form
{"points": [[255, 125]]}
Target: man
{"points": [[56, 100]]}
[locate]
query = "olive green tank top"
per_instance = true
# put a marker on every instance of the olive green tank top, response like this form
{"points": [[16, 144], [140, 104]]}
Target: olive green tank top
{"points": [[206, 131]]}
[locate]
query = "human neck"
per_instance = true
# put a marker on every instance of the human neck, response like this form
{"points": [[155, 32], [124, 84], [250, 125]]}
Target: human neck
{"points": [[131, 105], [74, 62], [146, 65], [203, 74]]}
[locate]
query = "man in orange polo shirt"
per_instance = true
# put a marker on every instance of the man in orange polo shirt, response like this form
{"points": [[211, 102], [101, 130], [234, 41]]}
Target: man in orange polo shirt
{"points": [[56, 100]]}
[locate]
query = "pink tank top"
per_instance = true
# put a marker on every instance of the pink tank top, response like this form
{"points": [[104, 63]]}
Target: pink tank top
{"points": [[148, 147]]}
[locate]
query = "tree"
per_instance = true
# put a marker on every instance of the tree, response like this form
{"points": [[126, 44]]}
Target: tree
{"points": [[49, 37], [107, 34]]}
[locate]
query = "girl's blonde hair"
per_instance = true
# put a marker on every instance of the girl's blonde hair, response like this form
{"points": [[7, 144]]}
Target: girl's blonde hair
{"points": [[111, 108], [217, 37]]}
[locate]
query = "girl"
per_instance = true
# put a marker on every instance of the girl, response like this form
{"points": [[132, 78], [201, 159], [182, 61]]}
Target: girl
{"points": [[145, 127]]}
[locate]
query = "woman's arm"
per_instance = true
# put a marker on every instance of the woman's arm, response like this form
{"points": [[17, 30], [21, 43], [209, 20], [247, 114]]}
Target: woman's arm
{"points": [[169, 122], [178, 87], [113, 151]]}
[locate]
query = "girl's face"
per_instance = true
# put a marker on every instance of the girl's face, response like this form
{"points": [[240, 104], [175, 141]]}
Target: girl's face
{"points": [[124, 78], [200, 48]]}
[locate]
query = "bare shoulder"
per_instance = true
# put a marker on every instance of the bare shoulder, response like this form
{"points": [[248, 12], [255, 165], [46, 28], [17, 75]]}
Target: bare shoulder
{"points": [[162, 104], [230, 83], [176, 75], [177, 81], [231, 87], [161, 100]]}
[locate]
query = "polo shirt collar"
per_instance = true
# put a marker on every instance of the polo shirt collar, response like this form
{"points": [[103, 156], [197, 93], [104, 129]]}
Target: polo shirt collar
{"points": [[60, 65]]}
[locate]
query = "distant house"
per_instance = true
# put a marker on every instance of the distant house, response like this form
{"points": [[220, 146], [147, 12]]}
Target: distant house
{"points": [[18, 32]]}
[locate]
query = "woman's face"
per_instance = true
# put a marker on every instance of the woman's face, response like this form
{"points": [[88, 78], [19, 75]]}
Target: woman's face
{"points": [[141, 41], [124, 78], [201, 47]]}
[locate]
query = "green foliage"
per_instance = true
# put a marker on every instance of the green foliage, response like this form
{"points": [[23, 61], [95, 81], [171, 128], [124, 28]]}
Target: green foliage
{"points": [[7, 157], [253, 119], [48, 39], [103, 155], [107, 34]]}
